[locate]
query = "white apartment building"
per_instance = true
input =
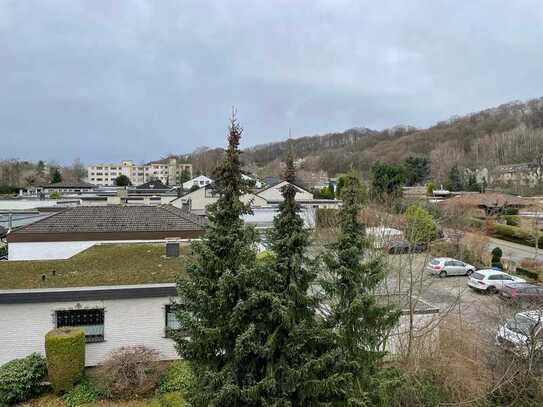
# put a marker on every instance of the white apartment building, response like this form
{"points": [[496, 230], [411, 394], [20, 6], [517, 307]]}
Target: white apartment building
{"points": [[167, 171]]}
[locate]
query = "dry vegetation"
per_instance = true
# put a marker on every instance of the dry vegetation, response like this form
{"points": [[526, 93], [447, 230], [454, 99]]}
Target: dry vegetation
{"points": [[100, 265]]}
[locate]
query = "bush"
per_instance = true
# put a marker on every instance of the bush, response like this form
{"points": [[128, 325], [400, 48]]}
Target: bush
{"points": [[327, 217], [496, 261], [264, 257], [178, 377], [512, 220], [84, 392], [172, 399], [130, 372], [528, 273], [516, 234], [65, 351], [20, 379]]}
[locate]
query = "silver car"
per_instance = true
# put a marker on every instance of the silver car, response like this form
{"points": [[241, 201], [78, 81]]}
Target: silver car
{"points": [[445, 266]]}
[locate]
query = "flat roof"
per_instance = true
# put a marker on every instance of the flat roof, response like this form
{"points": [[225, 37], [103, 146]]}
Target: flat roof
{"points": [[101, 265]]}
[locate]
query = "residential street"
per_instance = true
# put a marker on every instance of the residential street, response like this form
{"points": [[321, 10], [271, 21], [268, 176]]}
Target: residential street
{"points": [[514, 251]]}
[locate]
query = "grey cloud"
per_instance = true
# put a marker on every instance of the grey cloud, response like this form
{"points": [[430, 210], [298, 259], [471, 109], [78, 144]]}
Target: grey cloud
{"points": [[138, 79]]}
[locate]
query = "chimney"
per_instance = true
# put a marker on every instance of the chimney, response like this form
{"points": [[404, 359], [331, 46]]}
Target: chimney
{"points": [[172, 248]]}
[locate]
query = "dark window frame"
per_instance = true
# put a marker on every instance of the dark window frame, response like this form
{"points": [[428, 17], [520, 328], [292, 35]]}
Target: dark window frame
{"points": [[77, 318], [169, 332]]}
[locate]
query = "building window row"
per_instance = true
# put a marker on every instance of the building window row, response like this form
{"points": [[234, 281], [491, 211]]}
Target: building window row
{"points": [[91, 321]]}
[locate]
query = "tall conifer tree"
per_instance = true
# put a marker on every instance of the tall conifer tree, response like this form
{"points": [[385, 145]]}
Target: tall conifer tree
{"points": [[354, 275]]}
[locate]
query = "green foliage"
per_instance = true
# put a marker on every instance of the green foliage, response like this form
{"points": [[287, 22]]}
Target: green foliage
{"points": [[8, 190], [455, 180], [3, 250], [524, 390], [83, 393], [360, 323], [420, 227], [512, 220], [386, 181], [472, 185], [178, 378], [443, 248], [183, 177], [65, 352], [324, 193], [534, 275], [326, 217], [420, 388], [194, 187], [416, 170], [511, 211], [265, 257], [430, 188], [122, 181], [20, 379], [172, 399], [517, 234], [55, 195], [55, 176]]}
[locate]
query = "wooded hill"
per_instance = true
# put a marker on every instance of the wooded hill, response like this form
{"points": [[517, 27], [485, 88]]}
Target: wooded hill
{"points": [[508, 134]]}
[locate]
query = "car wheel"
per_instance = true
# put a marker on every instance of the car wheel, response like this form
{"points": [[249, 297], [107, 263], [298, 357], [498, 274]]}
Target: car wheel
{"points": [[469, 273], [491, 290], [443, 274]]}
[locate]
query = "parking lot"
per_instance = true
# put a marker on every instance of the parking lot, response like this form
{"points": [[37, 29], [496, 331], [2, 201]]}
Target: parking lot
{"points": [[451, 294]]}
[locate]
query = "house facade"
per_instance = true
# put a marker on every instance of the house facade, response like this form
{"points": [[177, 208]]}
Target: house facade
{"points": [[111, 317], [199, 181]]}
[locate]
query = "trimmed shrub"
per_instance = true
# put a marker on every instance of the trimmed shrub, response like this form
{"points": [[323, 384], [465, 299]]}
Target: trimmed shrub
{"points": [[20, 379], [265, 257], [517, 235], [130, 372], [85, 392], [65, 351]]}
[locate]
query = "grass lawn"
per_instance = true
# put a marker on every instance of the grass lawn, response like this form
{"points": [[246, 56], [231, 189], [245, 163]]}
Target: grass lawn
{"points": [[100, 265], [50, 400]]}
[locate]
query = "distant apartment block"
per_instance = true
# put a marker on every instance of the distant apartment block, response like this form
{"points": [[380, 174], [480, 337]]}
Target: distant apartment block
{"points": [[166, 171]]}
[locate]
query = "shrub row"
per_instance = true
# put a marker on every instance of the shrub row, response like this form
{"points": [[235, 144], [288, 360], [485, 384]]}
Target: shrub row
{"points": [[516, 234], [528, 273], [20, 379], [327, 217]]}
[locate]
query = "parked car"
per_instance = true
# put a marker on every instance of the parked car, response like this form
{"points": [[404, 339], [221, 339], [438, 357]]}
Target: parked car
{"points": [[445, 266], [403, 246], [522, 334], [491, 281], [522, 293]]}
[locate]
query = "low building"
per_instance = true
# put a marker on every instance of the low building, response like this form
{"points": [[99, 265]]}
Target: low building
{"points": [[199, 181], [66, 233], [166, 171], [273, 195], [119, 295], [490, 203], [197, 201], [64, 187]]}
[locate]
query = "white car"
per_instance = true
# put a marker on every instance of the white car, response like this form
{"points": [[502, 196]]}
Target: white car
{"points": [[491, 281], [522, 334], [445, 266]]}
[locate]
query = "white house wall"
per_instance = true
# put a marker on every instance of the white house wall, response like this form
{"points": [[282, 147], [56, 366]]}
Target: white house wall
{"points": [[127, 322], [58, 250]]}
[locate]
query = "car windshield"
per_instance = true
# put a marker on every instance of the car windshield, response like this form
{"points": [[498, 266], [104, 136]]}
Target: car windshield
{"points": [[434, 262], [477, 276], [521, 325]]}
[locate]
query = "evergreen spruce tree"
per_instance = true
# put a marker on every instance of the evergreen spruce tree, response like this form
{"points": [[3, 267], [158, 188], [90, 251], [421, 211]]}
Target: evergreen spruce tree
{"points": [[304, 367], [215, 289], [353, 274]]}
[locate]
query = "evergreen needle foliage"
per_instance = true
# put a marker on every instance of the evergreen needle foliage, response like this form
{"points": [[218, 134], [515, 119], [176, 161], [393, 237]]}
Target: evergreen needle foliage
{"points": [[353, 274]]}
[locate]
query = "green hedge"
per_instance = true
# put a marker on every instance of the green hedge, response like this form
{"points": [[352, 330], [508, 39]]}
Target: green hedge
{"points": [[528, 273], [20, 379], [65, 351], [516, 234], [512, 220]]}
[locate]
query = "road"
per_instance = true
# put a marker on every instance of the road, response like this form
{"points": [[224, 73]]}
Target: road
{"points": [[514, 251]]}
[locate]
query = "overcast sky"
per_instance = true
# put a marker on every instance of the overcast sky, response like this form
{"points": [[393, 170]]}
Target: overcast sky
{"points": [[112, 80]]}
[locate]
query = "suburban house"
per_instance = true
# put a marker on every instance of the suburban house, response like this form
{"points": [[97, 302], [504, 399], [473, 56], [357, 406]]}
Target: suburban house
{"points": [[490, 203], [68, 232], [198, 200], [120, 295], [199, 181]]}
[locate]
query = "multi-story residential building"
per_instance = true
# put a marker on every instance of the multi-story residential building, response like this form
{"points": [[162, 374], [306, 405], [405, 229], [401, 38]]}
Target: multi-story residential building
{"points": [[166, 171]]}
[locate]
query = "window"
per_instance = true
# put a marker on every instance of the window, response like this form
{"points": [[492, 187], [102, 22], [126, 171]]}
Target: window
{"points": [[172, 323], [91, 321]]}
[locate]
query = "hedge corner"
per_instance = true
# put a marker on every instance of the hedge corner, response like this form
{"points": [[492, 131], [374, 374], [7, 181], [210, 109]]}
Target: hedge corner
{"points": [[65, 353]]}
